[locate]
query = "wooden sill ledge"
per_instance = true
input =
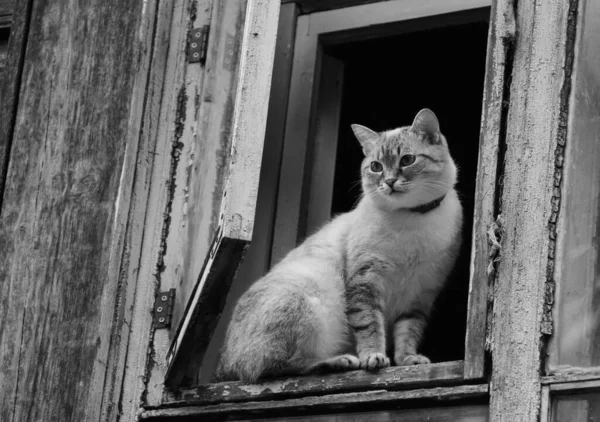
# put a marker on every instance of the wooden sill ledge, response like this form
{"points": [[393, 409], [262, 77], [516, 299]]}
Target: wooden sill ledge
{"points": [[359, 401], [393, 378]]}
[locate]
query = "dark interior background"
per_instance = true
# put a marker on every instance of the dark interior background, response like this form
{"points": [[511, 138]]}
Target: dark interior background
{"points": [[386, 82]]}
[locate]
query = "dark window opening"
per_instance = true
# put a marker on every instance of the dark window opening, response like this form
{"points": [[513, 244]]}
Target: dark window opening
{"points": [[386, 82]]}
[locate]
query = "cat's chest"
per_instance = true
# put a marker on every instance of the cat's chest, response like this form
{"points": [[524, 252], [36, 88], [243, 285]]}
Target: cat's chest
{"points": [[408, 245]]}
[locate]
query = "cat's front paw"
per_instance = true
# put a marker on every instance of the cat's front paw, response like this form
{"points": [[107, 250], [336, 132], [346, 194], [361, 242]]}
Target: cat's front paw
{"points": [[408, 360], [374, 361]]}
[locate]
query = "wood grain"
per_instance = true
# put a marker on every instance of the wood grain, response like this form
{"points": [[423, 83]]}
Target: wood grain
{"points": [[172, 133], [66, 206], [572, 374], [501, 37], [395, 378], [378, 399], [532, 130], [204, 165], [143, 238], [236, 220]]}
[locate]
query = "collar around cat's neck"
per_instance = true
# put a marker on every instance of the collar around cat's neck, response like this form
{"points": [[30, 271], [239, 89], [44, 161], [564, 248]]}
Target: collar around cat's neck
{"points": [[425, 208]]}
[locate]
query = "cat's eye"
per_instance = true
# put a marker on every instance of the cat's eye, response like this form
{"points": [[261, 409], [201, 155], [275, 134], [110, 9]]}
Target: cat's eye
{"points": [[407, 160], [376, 166]]}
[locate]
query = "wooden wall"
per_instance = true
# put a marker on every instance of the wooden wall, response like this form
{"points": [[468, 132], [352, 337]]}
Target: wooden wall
{"points": [[72, 157]]}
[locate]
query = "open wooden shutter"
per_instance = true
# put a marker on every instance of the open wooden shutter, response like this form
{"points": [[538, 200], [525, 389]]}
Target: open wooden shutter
{"points": [[201, 300]]}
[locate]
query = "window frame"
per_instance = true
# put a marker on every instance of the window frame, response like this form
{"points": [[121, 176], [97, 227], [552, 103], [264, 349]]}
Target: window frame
{"points": [[274, 391], [302, 205]]}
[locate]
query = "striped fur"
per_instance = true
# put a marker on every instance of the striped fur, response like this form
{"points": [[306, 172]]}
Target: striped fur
{"points": [[364, 284]]}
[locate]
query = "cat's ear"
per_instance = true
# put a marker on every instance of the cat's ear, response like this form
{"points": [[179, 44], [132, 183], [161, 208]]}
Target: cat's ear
{"points": [[366, 137], [425, 122]]}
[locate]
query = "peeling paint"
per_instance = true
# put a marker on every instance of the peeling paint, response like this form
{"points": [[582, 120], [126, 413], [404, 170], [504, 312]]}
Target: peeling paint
{"points": [[547, 325], [176, 148]]}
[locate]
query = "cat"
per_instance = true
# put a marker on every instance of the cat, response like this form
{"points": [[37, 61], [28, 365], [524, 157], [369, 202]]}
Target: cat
{"points": [[367, 276]]}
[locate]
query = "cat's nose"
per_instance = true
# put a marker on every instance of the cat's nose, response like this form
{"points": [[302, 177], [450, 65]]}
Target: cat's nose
{"points": [[390, 182]]}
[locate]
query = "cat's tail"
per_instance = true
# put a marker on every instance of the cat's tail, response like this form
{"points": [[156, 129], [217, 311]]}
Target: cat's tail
{"points": [[251, 366], [270, 334]]}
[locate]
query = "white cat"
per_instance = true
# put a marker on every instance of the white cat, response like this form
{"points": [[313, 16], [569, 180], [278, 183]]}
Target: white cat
{"points": [[367, 276]]}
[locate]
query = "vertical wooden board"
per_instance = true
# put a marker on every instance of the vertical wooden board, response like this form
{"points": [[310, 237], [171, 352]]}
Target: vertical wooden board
{"points": [[66, 203], [576, 342], [532, 136], [239, 197], [501, 36], [207, 161], [131, 338], [161, 256], [317, 210], [256, 261]]}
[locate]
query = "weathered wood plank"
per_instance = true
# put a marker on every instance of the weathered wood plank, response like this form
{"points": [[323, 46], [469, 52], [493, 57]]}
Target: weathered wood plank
{"points": [[66, 206], [573, 386], [394, 378], [143, 237], [172, 134], [316, 404], [239, 194], [571, 374], [6, 12], [203, 170], [576, 341], [484, 251], [256, 260], [532, 136]]}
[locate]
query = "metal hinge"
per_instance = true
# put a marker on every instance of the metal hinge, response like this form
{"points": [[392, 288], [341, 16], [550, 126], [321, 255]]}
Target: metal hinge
{"points": [[163, 309], [198, 44]]}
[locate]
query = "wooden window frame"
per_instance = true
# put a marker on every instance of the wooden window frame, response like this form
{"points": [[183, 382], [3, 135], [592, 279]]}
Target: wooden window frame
{"points": [[444, 380], [302, 205], [572, 383]]}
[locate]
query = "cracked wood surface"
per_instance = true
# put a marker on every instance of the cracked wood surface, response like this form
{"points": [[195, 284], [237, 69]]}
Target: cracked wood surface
{"points": [[395, 377], [500, 35], [531, 140], [65, 207], [356, 401]]}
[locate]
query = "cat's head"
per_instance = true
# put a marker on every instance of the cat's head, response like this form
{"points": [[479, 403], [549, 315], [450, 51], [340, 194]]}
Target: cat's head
{"points": [[408, 166]]}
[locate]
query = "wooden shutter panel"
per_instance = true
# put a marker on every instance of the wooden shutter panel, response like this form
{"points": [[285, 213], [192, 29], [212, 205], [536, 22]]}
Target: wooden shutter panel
{"points": [[239, 193]]}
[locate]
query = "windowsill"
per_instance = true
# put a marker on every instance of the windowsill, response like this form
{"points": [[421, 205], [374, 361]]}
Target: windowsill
{"points": [[393, 378]]}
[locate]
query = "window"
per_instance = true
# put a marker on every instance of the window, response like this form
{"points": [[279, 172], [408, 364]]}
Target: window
{"points": [[318, 72], [340, 46]]}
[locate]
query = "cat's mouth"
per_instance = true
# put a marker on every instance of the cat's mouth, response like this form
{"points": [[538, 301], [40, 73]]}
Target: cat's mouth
{"points": [[395, 191]]}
